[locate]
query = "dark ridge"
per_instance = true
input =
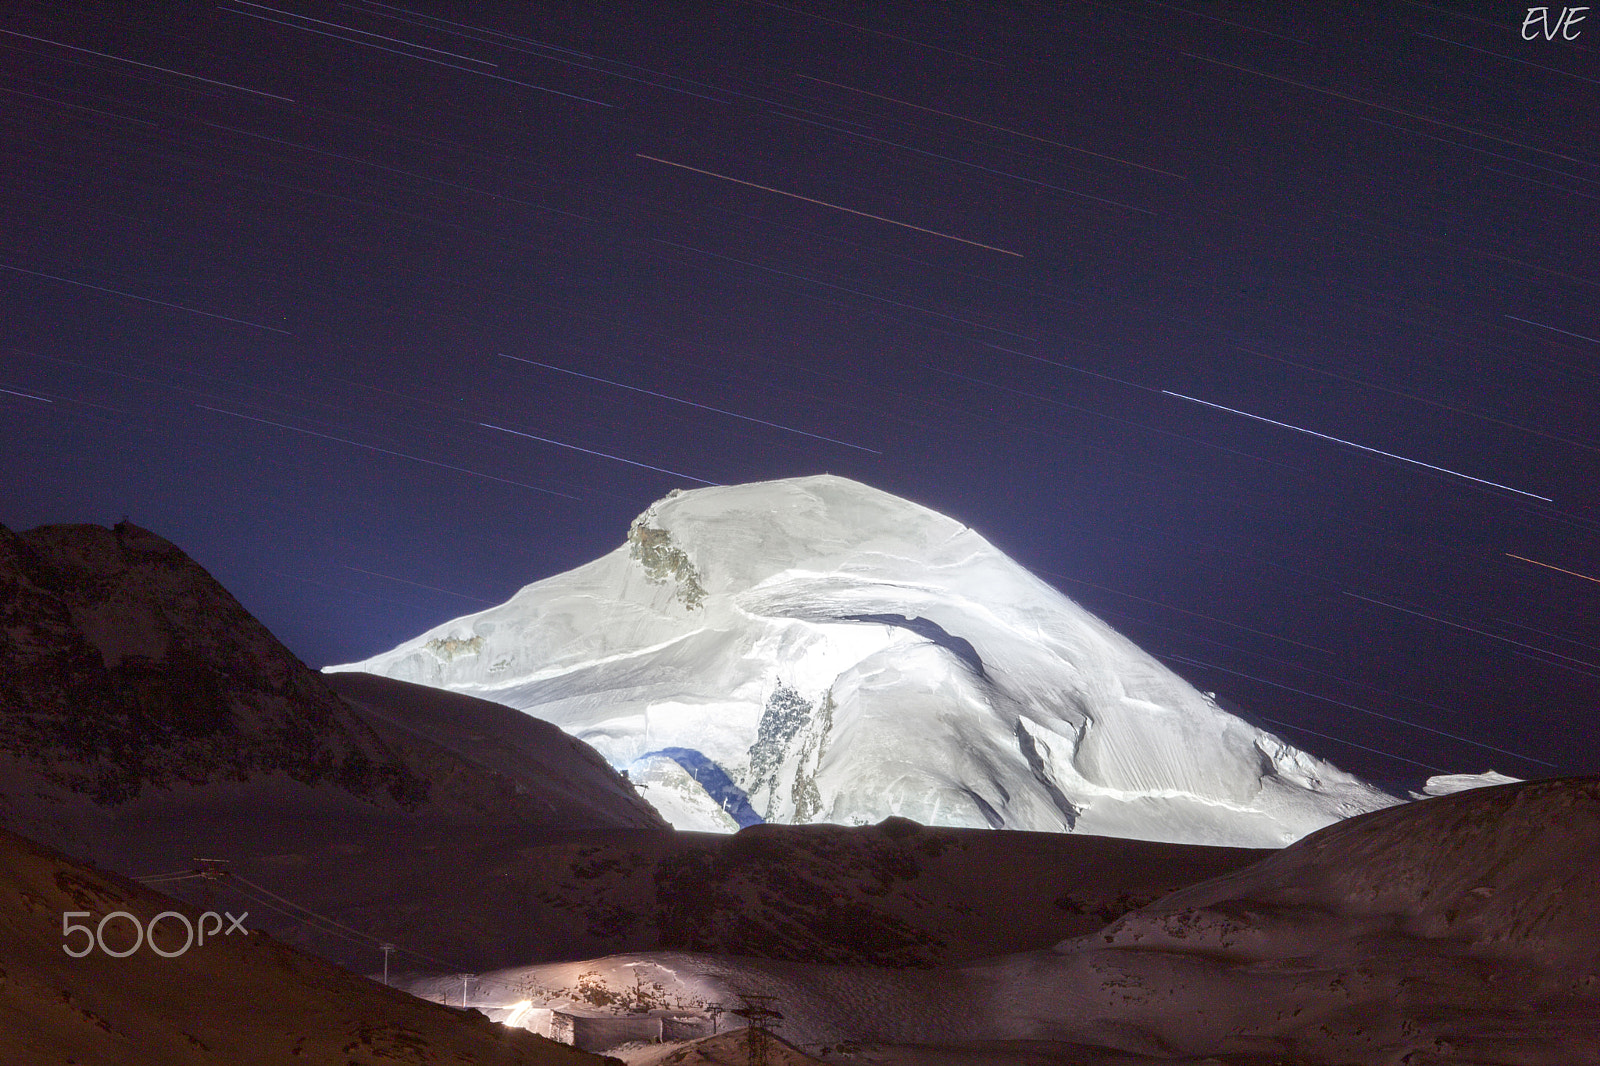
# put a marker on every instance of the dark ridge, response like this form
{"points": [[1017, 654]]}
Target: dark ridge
{"points": [[128, 666]]}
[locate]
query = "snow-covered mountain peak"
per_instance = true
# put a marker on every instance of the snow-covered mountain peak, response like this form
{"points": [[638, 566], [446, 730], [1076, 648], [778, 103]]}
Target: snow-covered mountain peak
{"points": [[814, 649], [739, 536]]}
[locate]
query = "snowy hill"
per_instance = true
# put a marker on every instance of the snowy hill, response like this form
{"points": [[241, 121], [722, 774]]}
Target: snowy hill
{"points": [[815, 650]]}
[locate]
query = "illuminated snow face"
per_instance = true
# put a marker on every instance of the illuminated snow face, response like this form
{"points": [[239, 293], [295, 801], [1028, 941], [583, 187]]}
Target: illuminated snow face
{"points": [[817, 650]]}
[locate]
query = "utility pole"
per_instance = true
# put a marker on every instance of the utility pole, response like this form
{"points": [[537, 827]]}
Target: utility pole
{"points": [[387, 950], [758, 1011], [211, 872]]}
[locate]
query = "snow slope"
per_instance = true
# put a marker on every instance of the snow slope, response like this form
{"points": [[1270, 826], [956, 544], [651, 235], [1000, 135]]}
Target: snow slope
{"points": [[815, 650]]}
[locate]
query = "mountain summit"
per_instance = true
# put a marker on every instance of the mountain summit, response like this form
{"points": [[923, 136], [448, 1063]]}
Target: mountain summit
{"points": [[816, 650]]}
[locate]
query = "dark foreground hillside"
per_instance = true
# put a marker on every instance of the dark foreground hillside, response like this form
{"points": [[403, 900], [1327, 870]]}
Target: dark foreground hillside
{"points": [[896, 894], [237, 1000], [1458, 930]]}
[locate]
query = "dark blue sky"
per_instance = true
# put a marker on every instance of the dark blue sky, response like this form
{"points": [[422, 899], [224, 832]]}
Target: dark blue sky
{"points": [[267, 270]]}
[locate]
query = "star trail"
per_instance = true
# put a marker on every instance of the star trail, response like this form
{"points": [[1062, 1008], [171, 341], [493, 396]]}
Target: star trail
{"points": [[1266, 331]]}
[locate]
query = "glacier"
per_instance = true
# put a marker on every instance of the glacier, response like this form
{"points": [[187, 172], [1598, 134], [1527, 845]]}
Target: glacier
{"points": [[816, 650]]}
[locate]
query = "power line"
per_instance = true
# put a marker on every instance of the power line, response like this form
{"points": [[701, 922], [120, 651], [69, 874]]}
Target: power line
{"points": [[296, 912]]}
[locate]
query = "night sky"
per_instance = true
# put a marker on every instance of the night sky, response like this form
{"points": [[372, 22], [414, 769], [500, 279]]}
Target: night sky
{"points": [[1267, 332]]}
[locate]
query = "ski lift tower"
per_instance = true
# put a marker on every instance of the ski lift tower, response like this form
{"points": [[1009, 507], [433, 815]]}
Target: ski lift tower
{"points": [[758, 1011]]}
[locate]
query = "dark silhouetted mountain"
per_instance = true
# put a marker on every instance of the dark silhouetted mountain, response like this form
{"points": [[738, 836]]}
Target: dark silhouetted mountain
{"points": [[146, 716], [127, 667]]}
